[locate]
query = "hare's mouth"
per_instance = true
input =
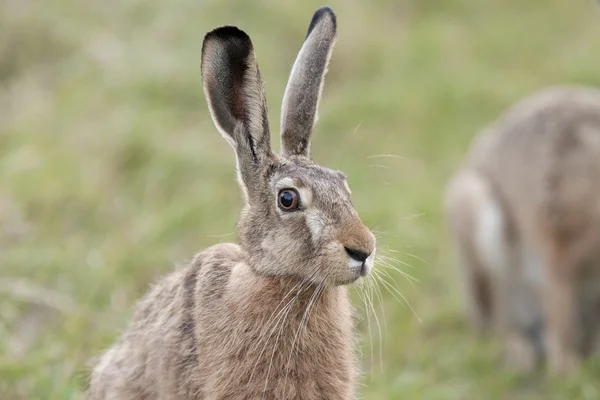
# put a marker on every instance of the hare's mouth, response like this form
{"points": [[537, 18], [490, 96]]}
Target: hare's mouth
{"points": [[361, 267]]}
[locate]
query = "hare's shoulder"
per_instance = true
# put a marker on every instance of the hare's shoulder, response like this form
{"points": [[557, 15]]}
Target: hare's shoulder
{"points": [[213, 267], [222, 255]]}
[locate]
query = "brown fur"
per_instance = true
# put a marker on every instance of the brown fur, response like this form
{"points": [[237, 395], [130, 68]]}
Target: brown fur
{"points": [[538, 166], [268, 318]]}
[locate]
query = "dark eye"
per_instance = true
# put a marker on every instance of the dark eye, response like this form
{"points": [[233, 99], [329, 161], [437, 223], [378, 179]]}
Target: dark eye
{"points": [[288, 199]]}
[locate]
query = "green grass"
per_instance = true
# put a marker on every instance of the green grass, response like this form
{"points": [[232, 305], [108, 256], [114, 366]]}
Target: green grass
{"points": [[112, 172]]}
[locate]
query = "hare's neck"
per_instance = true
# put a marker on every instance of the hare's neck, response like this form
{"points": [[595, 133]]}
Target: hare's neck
{"points": [[290, 337], [298, 299], [310, 297]]}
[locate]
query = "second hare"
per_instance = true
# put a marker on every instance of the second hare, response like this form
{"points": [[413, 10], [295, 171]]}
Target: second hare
{"points": [[268, 318], [524, 214]]}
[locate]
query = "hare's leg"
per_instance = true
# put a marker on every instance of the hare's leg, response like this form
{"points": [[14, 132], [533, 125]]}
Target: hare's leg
{"points": [[520, 353], [595, 336], [476, 287], [568, 268], [524, 323], [476, 224], [560, 302], [589, 308]]}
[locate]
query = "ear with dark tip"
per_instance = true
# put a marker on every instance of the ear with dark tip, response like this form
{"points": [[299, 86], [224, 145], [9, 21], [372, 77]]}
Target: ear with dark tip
{"points": [[301, 98], [235, 95]]}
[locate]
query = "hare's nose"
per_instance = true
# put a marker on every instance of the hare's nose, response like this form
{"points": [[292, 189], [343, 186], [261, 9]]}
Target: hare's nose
{"points": [[357, 255]]}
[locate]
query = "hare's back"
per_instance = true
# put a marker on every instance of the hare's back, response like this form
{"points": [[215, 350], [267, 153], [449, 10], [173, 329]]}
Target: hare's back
{"points": [[543, 157], [545, 126], [157, 354]]}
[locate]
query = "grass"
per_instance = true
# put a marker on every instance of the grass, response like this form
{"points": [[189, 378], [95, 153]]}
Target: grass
{"points": [[112, 171]]}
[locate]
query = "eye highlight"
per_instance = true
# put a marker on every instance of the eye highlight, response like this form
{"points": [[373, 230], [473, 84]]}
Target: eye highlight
{"points": [[288, 199]]}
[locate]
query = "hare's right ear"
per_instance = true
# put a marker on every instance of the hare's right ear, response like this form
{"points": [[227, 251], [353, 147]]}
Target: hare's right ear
{"points": [[301, 98], [234, 91]]}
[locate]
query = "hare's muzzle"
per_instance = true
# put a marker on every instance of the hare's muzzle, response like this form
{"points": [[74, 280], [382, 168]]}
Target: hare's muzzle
{"points": [[360, 249]]}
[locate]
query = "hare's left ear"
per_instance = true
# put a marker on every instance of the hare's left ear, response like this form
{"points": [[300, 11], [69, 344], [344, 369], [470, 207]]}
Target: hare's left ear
{"points": [[237, 103], [301, 98]]}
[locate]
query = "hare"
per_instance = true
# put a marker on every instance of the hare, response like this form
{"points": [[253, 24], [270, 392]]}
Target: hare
{"points": [[524, 215], [268, 318]]}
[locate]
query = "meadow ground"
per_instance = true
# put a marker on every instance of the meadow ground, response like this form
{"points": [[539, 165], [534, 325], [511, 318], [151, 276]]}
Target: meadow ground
{"points": [[111, 170]]}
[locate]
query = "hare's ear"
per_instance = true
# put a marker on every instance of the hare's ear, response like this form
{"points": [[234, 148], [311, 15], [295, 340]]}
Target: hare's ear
{"points": [[234, 91], [301, 98]]}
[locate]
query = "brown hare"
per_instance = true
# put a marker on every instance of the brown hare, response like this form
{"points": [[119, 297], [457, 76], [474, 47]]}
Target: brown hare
{"points": [[524, 214], [268, 318]]}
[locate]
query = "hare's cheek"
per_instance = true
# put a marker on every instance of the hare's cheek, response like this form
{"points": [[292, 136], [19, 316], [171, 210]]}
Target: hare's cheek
{"points": [[316, 223]]}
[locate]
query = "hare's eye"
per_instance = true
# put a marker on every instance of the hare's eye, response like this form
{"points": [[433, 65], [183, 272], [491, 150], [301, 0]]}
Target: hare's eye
{"points": [[288, 199]]}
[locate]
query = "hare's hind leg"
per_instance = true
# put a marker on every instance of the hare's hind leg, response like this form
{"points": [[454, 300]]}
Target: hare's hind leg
{"points": [[589, 319], [588, 305], [477, 227], [561, 304], [572, 285], [490, 267], [476, 288]]}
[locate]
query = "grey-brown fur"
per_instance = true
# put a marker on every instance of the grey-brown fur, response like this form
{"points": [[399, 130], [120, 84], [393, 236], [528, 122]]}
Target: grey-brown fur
{"points": [[524, 213], [268, 318]]}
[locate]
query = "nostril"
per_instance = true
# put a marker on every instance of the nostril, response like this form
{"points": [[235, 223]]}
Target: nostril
{"points": [[357, 254]]}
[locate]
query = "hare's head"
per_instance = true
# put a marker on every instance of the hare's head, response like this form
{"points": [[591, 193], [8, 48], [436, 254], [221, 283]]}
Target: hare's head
{"points": [[298, 218]]}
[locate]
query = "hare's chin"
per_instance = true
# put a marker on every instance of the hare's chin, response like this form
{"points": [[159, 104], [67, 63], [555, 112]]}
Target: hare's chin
{"points": [[367, 267], [360, 269]]}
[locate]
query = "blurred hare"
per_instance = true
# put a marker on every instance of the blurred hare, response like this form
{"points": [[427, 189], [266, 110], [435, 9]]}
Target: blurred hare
{"points": [[524, 214], [269, 318]]}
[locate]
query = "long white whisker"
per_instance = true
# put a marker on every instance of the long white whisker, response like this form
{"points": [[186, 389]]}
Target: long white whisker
{"points": [[346, 147], [392, 259], [380, 300], [386, 156], [308, 282], [416, 257], [367, 312], [308, 308], [387, 265], [415, 215], [370, 297], [379, 166], [312, 297], [281, 329], [275, 322], [405, 300]]}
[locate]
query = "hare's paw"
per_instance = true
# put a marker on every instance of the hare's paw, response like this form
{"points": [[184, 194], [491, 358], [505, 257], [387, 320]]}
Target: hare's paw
{"points": [[519, 354], [562, 360]]}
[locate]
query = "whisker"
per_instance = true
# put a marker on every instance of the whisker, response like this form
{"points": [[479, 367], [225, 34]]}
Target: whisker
{"points": [[346, 146], [309, 281], [389, 263], [415, 215], [417, 258], [389, 275], [394, 259], [370, 331], [380, 299], [220, 235], [370, 297], [408, 277], [386, 156], [275, 321], [313, 298], [282, 327], [379, 166], [405, 301]]}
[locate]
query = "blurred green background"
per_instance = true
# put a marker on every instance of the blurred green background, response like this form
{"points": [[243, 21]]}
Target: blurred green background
{"points": [[112, 172]]}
